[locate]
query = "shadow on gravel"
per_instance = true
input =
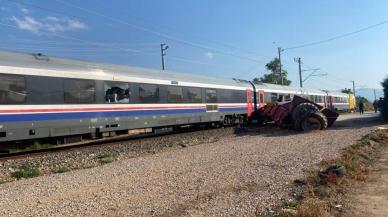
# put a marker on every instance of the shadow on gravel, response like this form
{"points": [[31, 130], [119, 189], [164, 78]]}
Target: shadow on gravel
{"points": [[357, 123], [267, 130], [271, 130]]}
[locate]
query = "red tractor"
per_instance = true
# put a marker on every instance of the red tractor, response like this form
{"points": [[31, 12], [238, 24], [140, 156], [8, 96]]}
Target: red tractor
{"points": [[300, 114]]}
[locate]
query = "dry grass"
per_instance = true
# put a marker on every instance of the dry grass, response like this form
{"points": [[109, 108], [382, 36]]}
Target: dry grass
{"points": [[321, 193], [312, 208]]}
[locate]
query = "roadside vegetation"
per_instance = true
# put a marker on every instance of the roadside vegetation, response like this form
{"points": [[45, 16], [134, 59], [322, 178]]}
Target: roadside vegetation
{"points": [[106, 158], [32, 147], [78, 159], [26, 171], [62, 169], [323, 194], [385, 101]]}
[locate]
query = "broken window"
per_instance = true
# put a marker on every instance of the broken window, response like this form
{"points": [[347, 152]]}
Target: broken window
{"points": [[116, 92]]}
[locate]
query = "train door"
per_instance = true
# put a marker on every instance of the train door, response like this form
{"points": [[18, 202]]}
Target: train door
{"points": [[249, 95], [331, 102], [260, 99], [326, 101]]}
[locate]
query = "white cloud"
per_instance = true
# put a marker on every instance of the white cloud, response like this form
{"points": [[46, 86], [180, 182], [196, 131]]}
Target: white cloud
{"points": [[209, 55], [48, 24], [27, 23], [25, 10]]}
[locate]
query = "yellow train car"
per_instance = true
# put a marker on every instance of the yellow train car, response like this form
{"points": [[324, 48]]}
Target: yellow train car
{"points": [[352, 102]]}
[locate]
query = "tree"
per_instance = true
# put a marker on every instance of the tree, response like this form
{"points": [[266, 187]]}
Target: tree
{"points": [[385, 101], [368, 106], [274, 76], [362, 99], [346, 90]]}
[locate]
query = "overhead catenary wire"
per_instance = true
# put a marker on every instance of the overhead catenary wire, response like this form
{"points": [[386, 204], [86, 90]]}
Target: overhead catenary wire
{"points": [[78, 17], [114, 47], [338, 36], [340, 83], [159, 34]]}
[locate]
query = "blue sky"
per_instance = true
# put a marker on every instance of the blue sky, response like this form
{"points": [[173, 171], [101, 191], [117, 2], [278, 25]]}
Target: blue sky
{"points": [[218, 38]]}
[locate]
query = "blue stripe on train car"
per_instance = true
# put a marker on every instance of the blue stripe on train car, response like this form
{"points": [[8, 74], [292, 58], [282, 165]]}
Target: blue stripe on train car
{"points": [[102, 114]]}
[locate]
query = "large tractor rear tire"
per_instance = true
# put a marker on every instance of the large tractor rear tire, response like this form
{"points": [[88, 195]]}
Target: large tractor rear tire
{"points": [[301, 112], [314, 121]]}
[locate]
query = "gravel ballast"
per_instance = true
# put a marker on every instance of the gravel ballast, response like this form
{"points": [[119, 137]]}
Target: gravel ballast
{"points": [[234, 175]]}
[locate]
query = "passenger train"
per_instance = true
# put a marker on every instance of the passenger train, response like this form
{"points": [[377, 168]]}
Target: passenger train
{"points": [[48, 97]]}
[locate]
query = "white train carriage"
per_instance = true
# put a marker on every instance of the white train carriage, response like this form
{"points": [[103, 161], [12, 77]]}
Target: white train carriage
{"points": [[48, 97], [270, 93]]}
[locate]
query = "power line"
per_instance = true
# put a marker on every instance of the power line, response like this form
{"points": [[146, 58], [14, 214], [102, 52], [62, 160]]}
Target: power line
{"points": [[337, 37], [157, 33], [44, 9], [114, 47], [62, 13]]}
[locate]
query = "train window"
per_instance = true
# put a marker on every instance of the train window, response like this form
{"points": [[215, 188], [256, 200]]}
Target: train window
{"points": [[239, 96], [148, 93], [231, 96], [225, 96], [312, 98], [12, 89], [194, 95], [287, 97], [211, 96], [79, 91], [280, 98], [267, 97], [318, 99], [174, 95], [116, 92], [274, 97]]}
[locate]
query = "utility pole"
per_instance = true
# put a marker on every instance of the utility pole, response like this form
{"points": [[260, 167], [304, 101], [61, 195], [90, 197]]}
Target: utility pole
{"points": [[280, 64], [298, 60], [354, 89], [163, 49]]}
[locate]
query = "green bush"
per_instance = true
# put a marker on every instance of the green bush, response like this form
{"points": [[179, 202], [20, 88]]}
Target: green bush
{"points": [[26, 171], [106, 158], [61, 170]]}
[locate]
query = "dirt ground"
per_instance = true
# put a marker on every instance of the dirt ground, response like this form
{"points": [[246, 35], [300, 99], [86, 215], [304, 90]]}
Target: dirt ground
{"points": [[238, 175], [371, 197]]}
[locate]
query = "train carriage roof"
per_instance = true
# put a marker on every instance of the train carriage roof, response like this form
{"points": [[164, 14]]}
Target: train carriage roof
{"points": [[102, 71], [288, 89]]}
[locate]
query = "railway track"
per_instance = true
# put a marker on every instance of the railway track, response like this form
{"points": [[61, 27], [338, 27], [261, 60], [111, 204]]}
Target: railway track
{"points": [[97, 143]]}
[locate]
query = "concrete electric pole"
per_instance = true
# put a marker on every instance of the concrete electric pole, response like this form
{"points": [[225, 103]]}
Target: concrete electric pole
{"points": [[354, 89], [312, 74], [280, 64], [163, 49], [300, 71]]}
